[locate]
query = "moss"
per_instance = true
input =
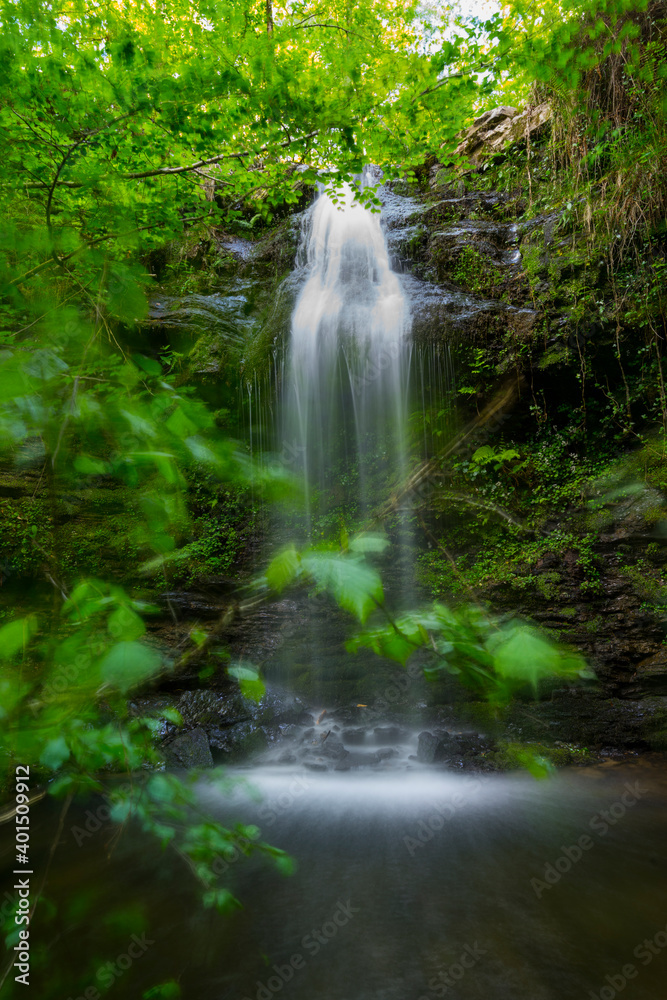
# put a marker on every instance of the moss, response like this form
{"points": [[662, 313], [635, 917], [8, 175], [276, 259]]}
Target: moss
{"points": [[517, 756]]}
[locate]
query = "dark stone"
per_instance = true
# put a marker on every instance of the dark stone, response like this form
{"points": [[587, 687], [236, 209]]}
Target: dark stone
{"points": [[354, 737], [387, 735], [238, 742], [432, 747], [190, 750]]}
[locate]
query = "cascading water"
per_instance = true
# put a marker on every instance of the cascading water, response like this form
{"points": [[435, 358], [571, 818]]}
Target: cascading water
{"points": [[345, 407]]}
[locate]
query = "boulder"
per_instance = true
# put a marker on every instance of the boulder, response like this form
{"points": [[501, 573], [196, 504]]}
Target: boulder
{"points": [[190, 750], [432, 747], [492, 131]]}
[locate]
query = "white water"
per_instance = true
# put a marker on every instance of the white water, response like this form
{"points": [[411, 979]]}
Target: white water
{"points": [[345, 410]]}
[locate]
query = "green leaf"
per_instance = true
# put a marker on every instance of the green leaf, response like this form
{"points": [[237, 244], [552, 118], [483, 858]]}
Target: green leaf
{"points": [[12, 691], [250, 683], [125, 625], [129, 664], [221, 899], [355, 585], [483, 455], [521, 654], [55, 753], [180, 425], [538, 766], [169, 990], [368, 543], [395, 643], [88, 466], [283, 570], [16, 635], [148, 365], [285, 864]]}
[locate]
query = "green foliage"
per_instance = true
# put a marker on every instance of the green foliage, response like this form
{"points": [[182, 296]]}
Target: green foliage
{"points": [[494, 657], [474, 271], [250, 683], [345, 575]]}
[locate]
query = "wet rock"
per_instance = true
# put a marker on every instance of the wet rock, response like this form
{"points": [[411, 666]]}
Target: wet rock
{"points": [[440, 312], [592, 720], [384, 736], [650, 676], [190, 750], [211, 708], [328, 745], [238, 742], [354, 737], [275, 709], [432, 747], [224, 315]]}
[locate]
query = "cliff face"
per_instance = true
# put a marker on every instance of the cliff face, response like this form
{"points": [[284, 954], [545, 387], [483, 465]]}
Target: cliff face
{"points": [[557, 509]]}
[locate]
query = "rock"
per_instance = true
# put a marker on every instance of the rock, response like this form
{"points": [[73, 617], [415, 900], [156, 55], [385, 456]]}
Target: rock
{"points": [[650, 676], [238, 742], [492, 131], [354, 737], [278, 710], [190, 750], [384, 736], [201, 708], [432, 747]]}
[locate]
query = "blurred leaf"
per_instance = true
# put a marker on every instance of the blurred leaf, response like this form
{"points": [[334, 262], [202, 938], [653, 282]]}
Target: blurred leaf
{"points": [[129, 664], [355, 585], [125, 624], [250, 683], [169, 990], [55, 753], [283, 570], [16, 635], [368, 543]]}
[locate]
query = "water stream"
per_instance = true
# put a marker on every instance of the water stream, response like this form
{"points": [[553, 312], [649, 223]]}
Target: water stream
{"points": [[346, 400]]}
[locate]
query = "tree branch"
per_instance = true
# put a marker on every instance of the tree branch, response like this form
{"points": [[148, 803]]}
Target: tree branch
{"points": [[169, 171], [320, 24]]}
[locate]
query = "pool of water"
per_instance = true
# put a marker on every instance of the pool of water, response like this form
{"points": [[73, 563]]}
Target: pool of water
{"points": [[410, 884]]}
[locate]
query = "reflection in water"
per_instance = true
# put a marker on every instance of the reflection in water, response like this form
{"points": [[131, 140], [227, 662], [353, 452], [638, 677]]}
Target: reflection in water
{"points": [[409, 884]]}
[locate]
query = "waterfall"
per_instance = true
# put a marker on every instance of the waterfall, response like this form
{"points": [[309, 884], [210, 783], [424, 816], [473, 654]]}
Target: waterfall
{"points": [[345, 404]]}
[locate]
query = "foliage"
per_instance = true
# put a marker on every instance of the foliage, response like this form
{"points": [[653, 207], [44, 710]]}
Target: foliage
{"points": [[345, 575], [496, 658]]}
